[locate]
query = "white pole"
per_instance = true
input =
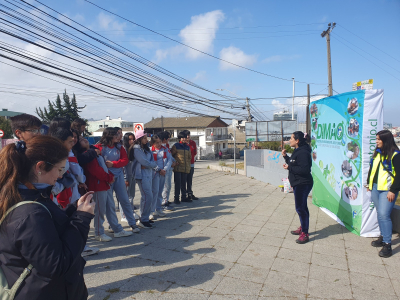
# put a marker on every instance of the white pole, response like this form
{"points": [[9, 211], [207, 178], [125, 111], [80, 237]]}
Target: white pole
{"points": [[293, 102], [234, 148]]}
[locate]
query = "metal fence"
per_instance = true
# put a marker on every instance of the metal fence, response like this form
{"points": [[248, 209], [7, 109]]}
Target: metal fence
{"points": [[270, 130]]}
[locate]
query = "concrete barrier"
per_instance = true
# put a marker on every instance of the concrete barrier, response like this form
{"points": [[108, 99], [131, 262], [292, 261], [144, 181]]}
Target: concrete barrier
{"points": [[226, 169], [395, 216]]}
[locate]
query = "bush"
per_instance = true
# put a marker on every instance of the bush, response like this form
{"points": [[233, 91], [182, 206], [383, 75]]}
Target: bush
{"points": [[274, 145]]}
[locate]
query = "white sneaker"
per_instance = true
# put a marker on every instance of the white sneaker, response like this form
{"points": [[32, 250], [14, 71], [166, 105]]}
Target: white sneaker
{"points": [[103, 238], [135, 215], [90, 251], [153, 216], [123, 233], [124, 220], [160, 214]]}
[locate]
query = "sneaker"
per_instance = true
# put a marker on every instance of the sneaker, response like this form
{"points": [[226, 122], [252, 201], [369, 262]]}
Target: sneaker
{"points": [[169, 208], [135, 229], [160, 214], [386, 250], [304, 238], [110, 229], [103, 237], [136, 216], [186, 200], [192, 197], [297, 231], [124, 220], [122, 233], [90, 251], [144, 225], [151, 222], [152, 217], [378, 242], [177, 202]]}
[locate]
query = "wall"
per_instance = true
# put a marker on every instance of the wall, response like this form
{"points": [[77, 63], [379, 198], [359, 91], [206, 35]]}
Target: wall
{"points": [[265, 165]]}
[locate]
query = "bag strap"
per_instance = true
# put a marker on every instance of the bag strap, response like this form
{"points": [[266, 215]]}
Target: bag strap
{"points": [[20, 204]]}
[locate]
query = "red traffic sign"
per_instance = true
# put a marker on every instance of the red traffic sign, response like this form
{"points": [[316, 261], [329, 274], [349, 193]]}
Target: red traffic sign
{"points": [[138, 126], [1, 133]]}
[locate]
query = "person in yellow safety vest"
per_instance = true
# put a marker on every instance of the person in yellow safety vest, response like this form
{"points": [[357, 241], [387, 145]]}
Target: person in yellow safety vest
{"points": [[384, 185]]}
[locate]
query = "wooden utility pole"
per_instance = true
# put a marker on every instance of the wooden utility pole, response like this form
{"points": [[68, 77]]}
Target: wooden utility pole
{"points": [[327, 34], [248, 110], [308, 123]]}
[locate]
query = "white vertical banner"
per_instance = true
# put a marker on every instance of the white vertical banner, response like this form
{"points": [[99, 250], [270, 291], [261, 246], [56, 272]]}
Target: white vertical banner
{"points": [[372, 124]]}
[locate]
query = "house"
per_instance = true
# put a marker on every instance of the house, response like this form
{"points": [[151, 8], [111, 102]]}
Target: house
{"points": [[7, 114], [240, 135], [209, 133], [97, 127]]}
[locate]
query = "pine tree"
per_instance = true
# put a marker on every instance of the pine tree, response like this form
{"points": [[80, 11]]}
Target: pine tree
{"points": [[69, 113], [58, 106]]}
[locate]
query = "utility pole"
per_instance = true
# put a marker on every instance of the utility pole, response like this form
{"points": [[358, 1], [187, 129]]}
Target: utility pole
{"points": [[308, 124], [162, 123], [293, 102], [248, 109], [327, 34]]}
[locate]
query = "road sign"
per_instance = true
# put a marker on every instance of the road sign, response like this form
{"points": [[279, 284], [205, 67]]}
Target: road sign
{"points": [[138, 126], [363, 85], [1, 133]]}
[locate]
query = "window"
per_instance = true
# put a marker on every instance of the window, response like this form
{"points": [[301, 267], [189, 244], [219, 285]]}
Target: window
{"points": [[100, 126], [223, 145]]}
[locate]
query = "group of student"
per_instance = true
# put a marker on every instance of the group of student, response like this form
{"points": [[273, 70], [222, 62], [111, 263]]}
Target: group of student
{"points": [[71, 183]]}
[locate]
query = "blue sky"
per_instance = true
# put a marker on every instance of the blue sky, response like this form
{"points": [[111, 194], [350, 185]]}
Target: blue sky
{"points": [[280, 38]]}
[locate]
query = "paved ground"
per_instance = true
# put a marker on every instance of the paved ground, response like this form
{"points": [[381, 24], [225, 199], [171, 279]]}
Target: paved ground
{"points": [[235, 243]]}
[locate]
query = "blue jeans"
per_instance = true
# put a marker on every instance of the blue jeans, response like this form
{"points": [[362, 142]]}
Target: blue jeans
{"points": [[158, 186], [301, 192], [384, 209], [145, 187]]}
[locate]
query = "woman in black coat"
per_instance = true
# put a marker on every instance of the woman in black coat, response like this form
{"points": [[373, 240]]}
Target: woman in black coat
{"points": [[300, 178], [48, 238]]}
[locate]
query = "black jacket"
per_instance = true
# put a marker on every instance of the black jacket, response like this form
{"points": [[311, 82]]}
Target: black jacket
{"points": [[53, 245], [300, 166]]}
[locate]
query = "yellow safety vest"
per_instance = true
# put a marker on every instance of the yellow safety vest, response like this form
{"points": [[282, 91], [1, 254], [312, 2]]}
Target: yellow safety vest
{"points": [[385, 180]]}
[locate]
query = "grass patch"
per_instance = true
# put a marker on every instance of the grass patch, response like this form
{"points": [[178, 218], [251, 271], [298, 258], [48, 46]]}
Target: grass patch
{"points": [[112, 291], [238, 165], [222, 163]]}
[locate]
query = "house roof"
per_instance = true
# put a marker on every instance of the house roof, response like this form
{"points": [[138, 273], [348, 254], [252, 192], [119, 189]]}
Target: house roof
{"points": [[186, 122], [7, 113]]}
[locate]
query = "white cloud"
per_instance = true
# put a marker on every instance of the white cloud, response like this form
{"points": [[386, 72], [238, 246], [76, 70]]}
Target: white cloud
{"points": [[200, 76], [278, 104], [199, 34], [143, 44], [279, 58], [107, 22], [236, 56]]}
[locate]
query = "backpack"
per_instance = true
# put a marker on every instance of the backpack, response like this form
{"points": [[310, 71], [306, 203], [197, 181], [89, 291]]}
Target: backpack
{"points": [[7, 293]]}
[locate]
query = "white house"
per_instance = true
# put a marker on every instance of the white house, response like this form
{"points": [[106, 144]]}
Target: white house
{"points": [[209, 133], [94, 126]]}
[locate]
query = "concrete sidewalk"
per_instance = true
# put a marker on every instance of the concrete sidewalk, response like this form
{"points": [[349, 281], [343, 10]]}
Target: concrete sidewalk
{"points": [[235, 243]]}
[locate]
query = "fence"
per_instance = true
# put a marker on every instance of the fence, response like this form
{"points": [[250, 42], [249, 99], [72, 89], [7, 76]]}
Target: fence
{"points": [[265, 165], [270, 131]]}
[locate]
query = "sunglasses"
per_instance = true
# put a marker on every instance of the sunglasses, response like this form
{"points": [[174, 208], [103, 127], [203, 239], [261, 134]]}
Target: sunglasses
{"points": [[34, 131]]}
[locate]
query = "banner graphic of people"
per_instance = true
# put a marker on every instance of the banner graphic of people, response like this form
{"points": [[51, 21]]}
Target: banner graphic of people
{"points": [[343, 135]]}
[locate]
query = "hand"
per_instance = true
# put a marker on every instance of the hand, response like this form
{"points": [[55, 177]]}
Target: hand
{"points": [[285, 166], [173, 164], [112, 181], [390, 196], [283, 152], [82, 185], [126, 183], [163, 172], [109, 164], [97, 151], [86, 204]]}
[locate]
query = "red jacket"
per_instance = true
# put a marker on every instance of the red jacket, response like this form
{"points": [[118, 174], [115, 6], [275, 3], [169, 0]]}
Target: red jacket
{"points": [[193, 150], [123, 157], [97, 179]]}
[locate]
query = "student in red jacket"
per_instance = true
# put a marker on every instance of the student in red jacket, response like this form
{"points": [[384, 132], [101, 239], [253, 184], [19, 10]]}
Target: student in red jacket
{"points": [[98, 180], [193, 151]]}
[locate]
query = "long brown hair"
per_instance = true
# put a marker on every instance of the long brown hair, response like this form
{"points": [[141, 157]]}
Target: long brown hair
{"points": [[108, 135], [389, 145], [16, 166]]}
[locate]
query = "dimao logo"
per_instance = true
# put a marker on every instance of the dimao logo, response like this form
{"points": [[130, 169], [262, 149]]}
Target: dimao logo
{"points": [[329, 131]]}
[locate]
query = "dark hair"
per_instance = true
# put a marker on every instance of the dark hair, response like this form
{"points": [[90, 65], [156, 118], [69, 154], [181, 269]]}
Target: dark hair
{"points": [[144, 147], [182, 135], [128, 148], [168, 133], [302, 137], [389, 145], [154, 138], [62, 134], [24, 122], [118, 128], [16, 166], [77, 149], [108, 136], [77, 123], [163, 135], [59, 122], [187, 132]]}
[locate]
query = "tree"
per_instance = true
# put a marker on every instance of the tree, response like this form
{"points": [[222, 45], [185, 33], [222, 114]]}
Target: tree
{"points": [[66, 108], [5, 125]]}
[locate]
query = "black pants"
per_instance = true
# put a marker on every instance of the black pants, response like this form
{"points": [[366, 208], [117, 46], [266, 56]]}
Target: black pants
{"points": [[301, 192], [180, 185], [190, 181]]}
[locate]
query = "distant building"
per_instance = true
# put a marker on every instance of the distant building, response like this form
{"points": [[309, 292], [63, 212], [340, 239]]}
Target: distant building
{"points": [[94, 126], [209, 133], [7, 114], [284, 116]]}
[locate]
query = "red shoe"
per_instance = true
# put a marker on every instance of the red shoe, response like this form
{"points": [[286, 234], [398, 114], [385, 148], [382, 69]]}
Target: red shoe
{"points": [[303, 238], [296, 232]]}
